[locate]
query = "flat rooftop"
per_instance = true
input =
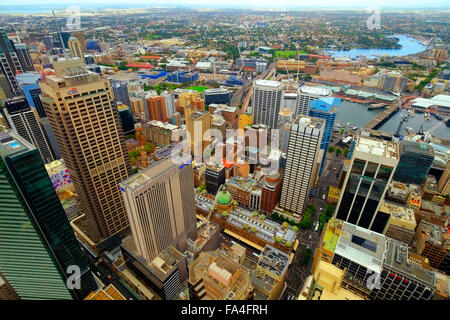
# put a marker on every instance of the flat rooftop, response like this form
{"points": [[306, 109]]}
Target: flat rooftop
{"points": [[274, 260], [11, 143], [316, 91], [381, 148], [309, 122], [267, 83], [397, 259], [362, 246]]}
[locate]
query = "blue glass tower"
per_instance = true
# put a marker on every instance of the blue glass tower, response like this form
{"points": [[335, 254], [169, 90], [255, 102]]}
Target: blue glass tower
{"points": [[325, 108]]}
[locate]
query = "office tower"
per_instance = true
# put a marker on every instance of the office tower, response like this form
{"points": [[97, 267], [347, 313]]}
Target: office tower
{"points": [[166, 275], [156, 108], [37, 243], [120, 89], [22, 119], [79, 35], [307, 94], [415, 161], [48, 42], [188, 99], [219, 96], [364, 255], [271, 192], [75, 48], [9, 63], [126, 118], [65, 36], [269, 276], [444, 181], [23, 55], [214, 177], [432, 242], [160, 204], [137, 107], [50, 136], [325, 108], [198, 122], [303, 157], [84, 118], [266, 102], [170, 106], [4, 85], [371, 169], [29, 83]]}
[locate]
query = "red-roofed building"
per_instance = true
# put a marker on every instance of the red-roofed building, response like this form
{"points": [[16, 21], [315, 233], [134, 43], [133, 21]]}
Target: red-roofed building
{"points": [[140, 65]]}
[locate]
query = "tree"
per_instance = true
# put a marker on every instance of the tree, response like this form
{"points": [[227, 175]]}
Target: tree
{"points": [[278, 239], [245, 226], [329, 210], [288, 244], [225, 214], [306, 222], [346, 151], [295, 228], [285, 224], [135, 170], [255, 213], [262, 216], [331, 149], [198, 189], [338, 151], [149, 147], [306, 257], [133, 161], [235, 203]]}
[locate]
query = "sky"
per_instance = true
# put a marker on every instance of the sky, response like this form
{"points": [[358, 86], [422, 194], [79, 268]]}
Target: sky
{"points": [[246, 3]]}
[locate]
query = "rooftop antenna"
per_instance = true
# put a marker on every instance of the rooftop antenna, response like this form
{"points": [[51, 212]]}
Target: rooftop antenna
{"points": [[59, 34]]}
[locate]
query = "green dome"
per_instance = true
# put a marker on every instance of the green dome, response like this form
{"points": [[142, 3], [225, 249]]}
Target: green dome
{"points": [[223, 197]]}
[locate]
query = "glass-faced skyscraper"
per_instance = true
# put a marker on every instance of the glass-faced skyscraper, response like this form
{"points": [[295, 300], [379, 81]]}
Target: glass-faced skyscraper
{"points": [[372, 167], [325, 108], [416, 159], [37, 243]]}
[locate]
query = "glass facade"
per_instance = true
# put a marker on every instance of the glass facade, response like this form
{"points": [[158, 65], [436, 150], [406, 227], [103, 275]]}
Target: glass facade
{"points": [[365, 187], [415, 162], [37, 243]]}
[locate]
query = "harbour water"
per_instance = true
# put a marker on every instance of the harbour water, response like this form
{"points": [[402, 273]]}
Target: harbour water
{"points": [[358, 115], [409, 46]]}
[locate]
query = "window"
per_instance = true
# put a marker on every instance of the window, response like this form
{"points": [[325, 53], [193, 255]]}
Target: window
{"points": [[370, 245]]}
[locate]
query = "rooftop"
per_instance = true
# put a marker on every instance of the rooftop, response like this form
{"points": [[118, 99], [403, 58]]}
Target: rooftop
{"points": [[377, 147], [317, 91], [274, 260], [268, 83]]}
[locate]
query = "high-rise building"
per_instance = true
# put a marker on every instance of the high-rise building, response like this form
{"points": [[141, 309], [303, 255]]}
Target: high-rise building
{"points": [[4, 85], [29, 83], [270, 193], [302, 162], [120, 89], [433, 243], [22, 119], [214, 177], [170, 106], [266, 102], [126, 118], [444, 181], [9, 63], [325, 108], [160, 204], [84, 118], [37, 243], [219, 95], [371, 170], [305, 95], [75, 48], [79, 35], [48, 42], [415, 161], [23, 55], [376, 267], [198, 122], [156, 108]]}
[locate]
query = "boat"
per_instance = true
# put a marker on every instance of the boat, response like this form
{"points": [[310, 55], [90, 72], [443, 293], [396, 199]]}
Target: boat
{"points": [[375, 106], [409, 130], [354, 128], [426, 116], [411, 112]]}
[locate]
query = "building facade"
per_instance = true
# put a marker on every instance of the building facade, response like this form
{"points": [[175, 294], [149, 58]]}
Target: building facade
{"points": [[266, 102]]}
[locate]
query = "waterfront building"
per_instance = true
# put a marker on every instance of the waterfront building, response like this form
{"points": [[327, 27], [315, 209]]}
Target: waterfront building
{"points": [[305, 95], [415, 161]]}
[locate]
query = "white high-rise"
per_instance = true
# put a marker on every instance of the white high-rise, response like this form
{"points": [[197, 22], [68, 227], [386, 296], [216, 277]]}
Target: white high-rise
{"points": [[302, 162], [304, 97], [161, 208], [266, 102]]}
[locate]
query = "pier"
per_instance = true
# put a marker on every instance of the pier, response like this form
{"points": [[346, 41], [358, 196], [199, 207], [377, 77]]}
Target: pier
{"points": [[382, 117]]}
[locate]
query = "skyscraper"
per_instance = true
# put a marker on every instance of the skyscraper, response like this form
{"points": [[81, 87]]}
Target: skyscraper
{"points": [[305, 95], [84, 118], [23, 55], [266, 102], [37, 243], [160, 206], [444, 181], [156, 108], [22, 119], [126, 118], [79, 35], [371, 169], [302, 162], [75, 48], [9, 63], [415, 161], [325, 108]]}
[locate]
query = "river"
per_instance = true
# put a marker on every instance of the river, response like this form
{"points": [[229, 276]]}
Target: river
{"points": [[409, 46], [357, 114]]}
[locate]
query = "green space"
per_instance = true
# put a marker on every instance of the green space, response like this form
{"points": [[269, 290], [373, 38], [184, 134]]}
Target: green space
{"points": [[288, 53], [197, 88]]}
